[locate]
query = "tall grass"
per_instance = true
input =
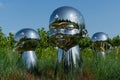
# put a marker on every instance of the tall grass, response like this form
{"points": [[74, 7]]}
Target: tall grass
{"points": [[108, 68], [11, 67]]}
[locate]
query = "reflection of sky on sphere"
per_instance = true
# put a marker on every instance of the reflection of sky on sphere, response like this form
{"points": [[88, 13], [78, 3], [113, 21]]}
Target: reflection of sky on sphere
{"points": [[99, 36], [67, 13], [26, 33]]}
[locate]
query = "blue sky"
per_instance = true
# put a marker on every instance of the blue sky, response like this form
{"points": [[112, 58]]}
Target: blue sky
{"points": [[99, 15]]}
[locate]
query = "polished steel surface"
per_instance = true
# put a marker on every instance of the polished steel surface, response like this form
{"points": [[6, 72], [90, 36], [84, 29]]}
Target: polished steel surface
{"points": [[103, 54], [72, 55], [71, 59], [29, 59], [67, 13], [99, 54], [100, 44], [66, 27], [99, 36], [26, 33], [27, 40]]}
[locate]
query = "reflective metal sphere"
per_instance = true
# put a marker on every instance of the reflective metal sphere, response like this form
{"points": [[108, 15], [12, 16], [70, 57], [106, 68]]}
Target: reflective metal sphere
{"points": [[66, 27], [26, 39], [99, 36], [100, 44], [67, 13], [26, 42]]}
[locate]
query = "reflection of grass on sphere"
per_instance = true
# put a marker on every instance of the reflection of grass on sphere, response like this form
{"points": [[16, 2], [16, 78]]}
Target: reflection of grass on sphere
{"points": [[11, 67]]}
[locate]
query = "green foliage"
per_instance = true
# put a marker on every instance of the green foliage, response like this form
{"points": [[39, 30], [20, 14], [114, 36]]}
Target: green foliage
{"points": [[3, 39], [108, 68], [8, 65], [85, 42], [6, 41], [105, 69], [116, 41], [44, 41], [11, 66], [44, 49], [10, 40]]}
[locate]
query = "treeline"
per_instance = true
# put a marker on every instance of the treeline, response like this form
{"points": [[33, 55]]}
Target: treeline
{"points": [[8, 41]]}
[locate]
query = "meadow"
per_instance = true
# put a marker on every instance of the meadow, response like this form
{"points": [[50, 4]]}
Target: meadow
{"points": [[12, 68]]}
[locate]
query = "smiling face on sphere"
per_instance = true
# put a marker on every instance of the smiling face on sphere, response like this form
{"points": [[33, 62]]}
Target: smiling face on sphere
{"points": [[26, 39], [65, 27], [100, 41]]}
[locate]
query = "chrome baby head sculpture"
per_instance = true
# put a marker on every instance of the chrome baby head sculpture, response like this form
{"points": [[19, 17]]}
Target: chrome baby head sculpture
{"points": [[27, 40], [66, 27], [100, 43], [100, 37]]}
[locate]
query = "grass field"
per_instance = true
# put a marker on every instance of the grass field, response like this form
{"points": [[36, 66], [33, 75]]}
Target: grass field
{"points": [[11, 67]]}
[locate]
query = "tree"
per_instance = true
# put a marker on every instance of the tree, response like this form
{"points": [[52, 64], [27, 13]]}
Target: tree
{"points": [[115, 41], [85, 42], [11, 40], [3, 39], [43, 38]]}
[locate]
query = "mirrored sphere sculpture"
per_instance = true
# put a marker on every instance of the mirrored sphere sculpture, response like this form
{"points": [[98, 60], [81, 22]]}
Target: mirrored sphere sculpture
{"points": [[66, 28], [27, 40], [100, 43]]}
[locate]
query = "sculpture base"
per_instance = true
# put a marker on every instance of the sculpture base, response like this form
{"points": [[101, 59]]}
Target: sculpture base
{"points": [[29, 59], [69, 61], [100, 54]]}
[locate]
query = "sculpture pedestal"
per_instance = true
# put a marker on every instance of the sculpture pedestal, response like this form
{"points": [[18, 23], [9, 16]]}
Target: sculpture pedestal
{"points": [[29, 59], [69, 62]]}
